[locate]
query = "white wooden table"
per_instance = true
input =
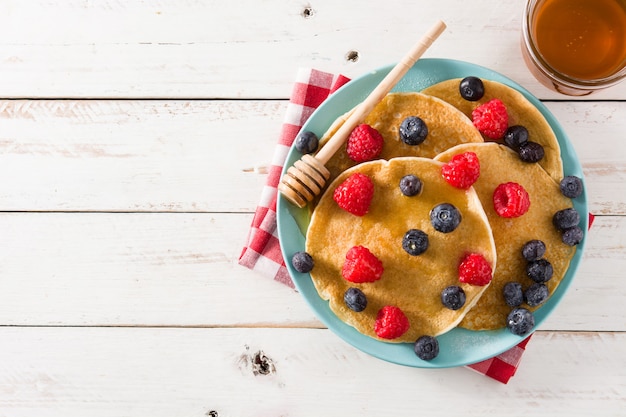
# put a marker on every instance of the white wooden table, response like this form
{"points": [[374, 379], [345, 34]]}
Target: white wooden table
{"points": [[133, 141]]}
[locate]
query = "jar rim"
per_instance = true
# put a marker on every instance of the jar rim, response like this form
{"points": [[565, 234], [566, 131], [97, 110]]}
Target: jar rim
{"points": [[548, 70]]}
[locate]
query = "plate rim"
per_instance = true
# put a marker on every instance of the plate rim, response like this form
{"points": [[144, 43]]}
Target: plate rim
{"points": [[389, 351]]}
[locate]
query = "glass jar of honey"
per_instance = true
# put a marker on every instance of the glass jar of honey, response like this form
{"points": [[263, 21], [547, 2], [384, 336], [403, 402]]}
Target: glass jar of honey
{"points": [[575, 47]]}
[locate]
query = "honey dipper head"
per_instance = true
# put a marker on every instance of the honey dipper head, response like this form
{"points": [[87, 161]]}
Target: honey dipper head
{"points": [[304, 181]]}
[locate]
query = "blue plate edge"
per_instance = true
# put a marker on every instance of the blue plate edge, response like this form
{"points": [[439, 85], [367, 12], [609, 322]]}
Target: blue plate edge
{"points": [[300, 280]]}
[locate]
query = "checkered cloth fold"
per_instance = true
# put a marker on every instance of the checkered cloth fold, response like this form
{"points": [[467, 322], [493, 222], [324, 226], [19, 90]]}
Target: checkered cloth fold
{"points": [[262, 251]]}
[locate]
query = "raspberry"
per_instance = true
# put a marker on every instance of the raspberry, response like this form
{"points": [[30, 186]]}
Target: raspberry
{"points": [[475, 270], [462, 171], [391, 323], [510, 199], [361, 265], [364, 143], [355, 194], [491, 119]]}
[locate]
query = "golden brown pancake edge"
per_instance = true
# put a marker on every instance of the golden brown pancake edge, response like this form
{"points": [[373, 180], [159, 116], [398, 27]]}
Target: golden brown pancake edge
{"points": [[520, 111], [413, 283], [447, 127], [499, 164]]}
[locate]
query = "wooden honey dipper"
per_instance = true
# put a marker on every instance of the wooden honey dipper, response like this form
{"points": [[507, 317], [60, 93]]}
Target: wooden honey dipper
{"points": [[308, 176]]}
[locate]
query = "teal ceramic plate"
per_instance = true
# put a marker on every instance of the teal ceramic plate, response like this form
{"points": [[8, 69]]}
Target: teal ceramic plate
{"points": [[459, 346]]}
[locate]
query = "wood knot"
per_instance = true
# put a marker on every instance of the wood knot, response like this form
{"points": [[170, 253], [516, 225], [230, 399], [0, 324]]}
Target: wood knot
{"points": [[258, 363], [262, 364], [308, 12], [352, 56]]}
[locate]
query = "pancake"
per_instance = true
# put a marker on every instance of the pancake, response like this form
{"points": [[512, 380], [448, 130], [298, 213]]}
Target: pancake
{"points": [[520, 111], [447, 127], [499, 164], [412, 283]]}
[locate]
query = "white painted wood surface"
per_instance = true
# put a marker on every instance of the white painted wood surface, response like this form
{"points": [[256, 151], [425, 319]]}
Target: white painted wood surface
{"points": [[134, 137]]}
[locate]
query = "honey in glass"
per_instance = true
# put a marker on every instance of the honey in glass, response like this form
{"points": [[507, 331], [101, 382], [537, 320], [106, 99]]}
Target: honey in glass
{"points": [[576, 46]]}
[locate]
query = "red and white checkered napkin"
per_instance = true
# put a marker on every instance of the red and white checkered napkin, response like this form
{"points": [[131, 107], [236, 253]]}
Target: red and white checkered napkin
{"points": [[262, 251]]}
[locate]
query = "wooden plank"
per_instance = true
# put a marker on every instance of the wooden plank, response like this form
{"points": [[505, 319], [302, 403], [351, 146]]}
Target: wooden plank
{"points": [[185, 49], [595, 130], [136, 155], [107, 155], [136, 269], [195, 372], [163, 269]]}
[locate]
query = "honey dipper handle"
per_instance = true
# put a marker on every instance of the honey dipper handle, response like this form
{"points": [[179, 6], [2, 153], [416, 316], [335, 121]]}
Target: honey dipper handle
{"points": [[381, 90]]}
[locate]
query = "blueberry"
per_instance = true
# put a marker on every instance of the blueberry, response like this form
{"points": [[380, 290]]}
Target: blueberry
{"points": [[472, 88], [513, 294], [355, 299], [566, 218], [571, 186], [426, 348], [453, 297], [520, 321], [410, 185], [445, 218], [540, 270], [533, 250], [536, 294], [413, 130], [516, 136], [531, 152], [415, 242], [306, 142], [302, 262], [572, 236]]}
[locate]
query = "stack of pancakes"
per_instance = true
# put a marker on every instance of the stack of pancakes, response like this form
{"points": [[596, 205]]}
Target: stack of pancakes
{"points": [[414, 283]]}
